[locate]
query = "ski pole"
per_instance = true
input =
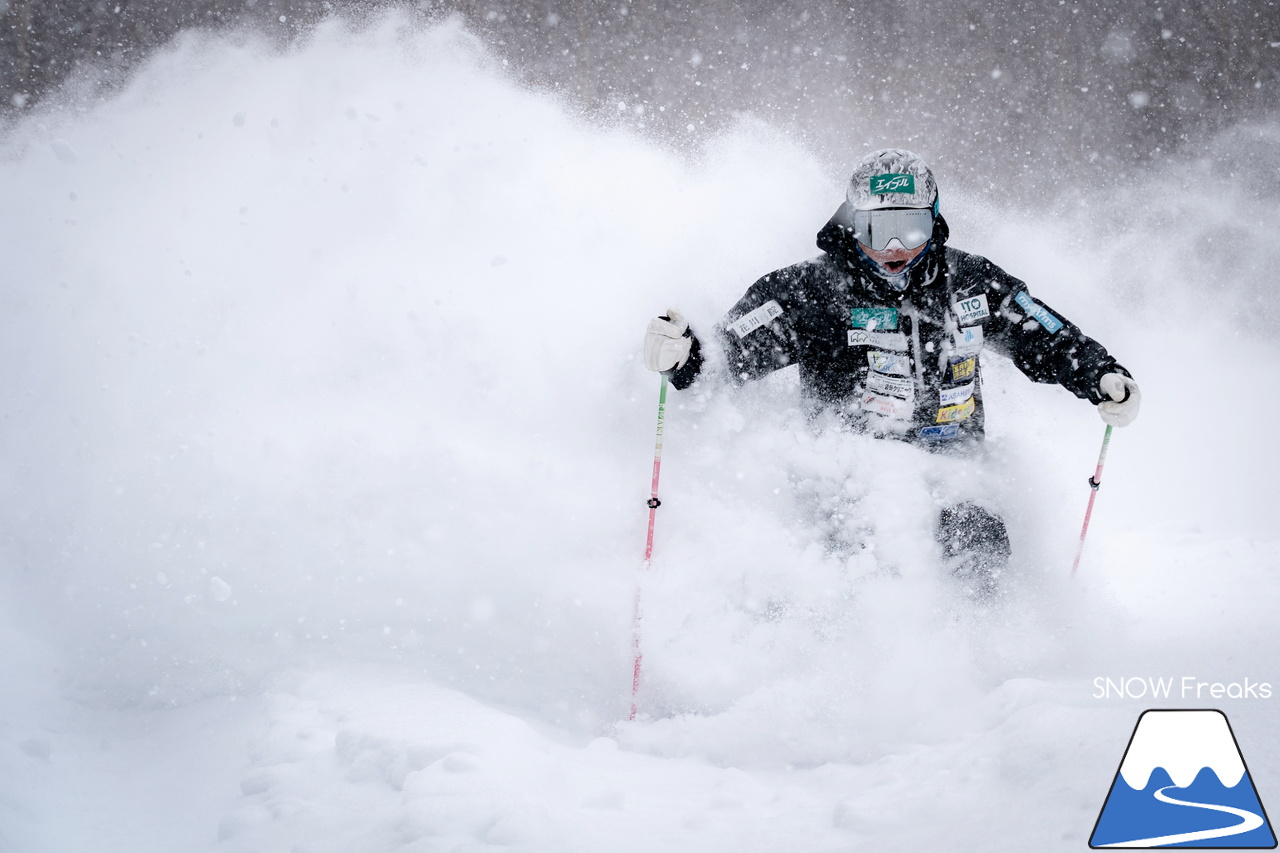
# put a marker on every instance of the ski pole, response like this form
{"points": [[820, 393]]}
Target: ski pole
{"points": [[653, 504], [1094, 483]]}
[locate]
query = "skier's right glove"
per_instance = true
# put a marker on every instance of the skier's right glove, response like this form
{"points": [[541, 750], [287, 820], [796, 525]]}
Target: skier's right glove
{"points": [[667, 342], [1124, 399]]}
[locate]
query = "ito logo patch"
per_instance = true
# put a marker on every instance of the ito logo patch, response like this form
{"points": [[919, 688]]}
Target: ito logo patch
{"points": [[885, 184], [1182, 783]]}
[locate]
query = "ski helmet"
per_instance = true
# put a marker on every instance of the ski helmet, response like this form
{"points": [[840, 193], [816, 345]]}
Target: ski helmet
{"points": [[892, 177]]}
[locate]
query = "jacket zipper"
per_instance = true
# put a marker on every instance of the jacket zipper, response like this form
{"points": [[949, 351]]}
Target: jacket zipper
{"points": [[909, 310]]}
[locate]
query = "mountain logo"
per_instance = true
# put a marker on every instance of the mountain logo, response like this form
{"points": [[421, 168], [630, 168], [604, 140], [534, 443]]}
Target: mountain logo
{"points": [[1182, 783]]}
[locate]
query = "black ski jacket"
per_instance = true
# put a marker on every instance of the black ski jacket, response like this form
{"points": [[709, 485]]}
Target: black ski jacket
{"points": [[903, 364]]}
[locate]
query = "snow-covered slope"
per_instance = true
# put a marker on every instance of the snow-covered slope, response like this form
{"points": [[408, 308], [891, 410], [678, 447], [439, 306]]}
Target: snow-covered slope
{"points": [[326, 445]]}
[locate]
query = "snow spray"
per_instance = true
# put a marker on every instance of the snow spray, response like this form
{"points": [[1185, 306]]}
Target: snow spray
{"points": [[653, 503], [1094, 482]]}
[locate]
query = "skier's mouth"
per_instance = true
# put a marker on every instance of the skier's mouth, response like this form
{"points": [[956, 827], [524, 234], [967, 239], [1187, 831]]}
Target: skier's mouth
{"points": [[893, 261]]}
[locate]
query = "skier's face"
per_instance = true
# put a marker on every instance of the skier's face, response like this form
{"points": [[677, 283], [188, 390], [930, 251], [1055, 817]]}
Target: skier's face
{"points": [[894, 257]]}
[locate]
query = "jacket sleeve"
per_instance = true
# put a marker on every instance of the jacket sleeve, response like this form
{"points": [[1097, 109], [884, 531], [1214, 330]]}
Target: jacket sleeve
{"points": [[756, 335], [1043, 344]]}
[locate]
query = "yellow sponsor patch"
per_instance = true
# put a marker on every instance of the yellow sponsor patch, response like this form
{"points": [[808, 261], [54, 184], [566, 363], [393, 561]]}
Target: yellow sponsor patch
{"points": [[962, 369], [950, 414]]}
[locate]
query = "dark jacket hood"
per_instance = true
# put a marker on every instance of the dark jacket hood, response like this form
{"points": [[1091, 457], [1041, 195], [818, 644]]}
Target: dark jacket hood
{"points": [[837, 239]]}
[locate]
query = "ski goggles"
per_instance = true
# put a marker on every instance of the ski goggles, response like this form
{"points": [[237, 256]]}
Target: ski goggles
{"points": [[912, 226]]}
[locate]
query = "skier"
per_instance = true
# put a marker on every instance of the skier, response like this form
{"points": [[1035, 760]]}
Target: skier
{"points": [[887, 327]]}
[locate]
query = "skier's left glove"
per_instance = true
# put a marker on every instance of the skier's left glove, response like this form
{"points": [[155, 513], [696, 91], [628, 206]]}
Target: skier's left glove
{"points": [[1124, 399]]}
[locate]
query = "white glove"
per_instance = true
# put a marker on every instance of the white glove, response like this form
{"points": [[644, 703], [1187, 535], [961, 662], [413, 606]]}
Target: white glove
{"points": [[1126, 396], [666, 344]]}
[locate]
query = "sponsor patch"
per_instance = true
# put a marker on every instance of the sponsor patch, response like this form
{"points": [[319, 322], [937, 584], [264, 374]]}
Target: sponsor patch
{"points": [[885, 184], [951, 414], [940, 433], [748, 323], [958, 371], [1038, 312], [955, 396], [872, 318], [889, 362], [880, 340], [972, 309], [895, 341], [884, 405], [968, 340], [895, 386]]}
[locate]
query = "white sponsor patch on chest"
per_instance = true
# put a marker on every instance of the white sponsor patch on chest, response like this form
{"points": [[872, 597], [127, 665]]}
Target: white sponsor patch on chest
{"points": [[972, 309], [895, 386], [748, 323], [889, 362], [880, 340], [890, 407], [968, 340], [955, 396]]}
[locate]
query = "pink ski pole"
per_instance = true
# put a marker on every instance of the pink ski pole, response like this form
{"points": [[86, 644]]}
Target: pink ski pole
{"points": [[1094, 483], [653, 503]]}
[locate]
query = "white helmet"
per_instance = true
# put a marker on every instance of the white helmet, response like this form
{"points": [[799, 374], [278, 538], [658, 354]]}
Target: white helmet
{"points": [[892, 177]]}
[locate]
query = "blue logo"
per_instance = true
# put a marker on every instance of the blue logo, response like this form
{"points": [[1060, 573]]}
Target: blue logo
{"points": [[940, 433], [1038, 313], [1182, 783]]}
